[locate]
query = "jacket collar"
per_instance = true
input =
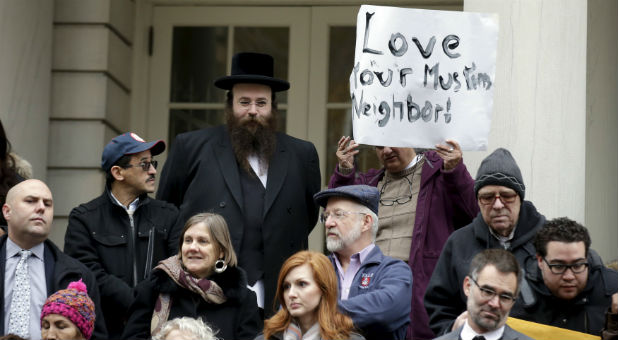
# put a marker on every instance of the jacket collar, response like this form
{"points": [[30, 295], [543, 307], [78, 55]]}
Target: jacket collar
{"points": [[528, 223]]}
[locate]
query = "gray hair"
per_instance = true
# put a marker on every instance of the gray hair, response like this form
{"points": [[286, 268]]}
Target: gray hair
{"points": [[374, 219], [198, 328]]}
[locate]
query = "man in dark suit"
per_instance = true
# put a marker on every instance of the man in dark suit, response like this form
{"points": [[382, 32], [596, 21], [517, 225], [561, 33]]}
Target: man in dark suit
{"points": [[491, 286], [29, 213], [260, 180]]}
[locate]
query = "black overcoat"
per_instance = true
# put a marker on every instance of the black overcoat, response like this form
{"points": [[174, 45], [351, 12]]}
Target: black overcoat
{"points": [[236, 319]]}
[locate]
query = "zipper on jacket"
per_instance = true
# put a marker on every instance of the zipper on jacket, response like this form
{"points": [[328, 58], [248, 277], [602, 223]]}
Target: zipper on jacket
{"points": [[132, 240]]}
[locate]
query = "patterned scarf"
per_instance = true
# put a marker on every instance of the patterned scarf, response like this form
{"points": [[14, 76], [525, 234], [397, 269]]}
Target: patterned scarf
{"points": [[207, 289], [294, 333]]}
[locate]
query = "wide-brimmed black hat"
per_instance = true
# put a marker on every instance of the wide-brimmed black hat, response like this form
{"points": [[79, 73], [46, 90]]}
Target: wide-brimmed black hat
{"points": [[248, 67]]}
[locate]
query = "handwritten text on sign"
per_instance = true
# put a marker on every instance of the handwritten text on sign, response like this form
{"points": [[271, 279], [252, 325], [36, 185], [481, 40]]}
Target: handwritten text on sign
{"points": [[422, 76]]}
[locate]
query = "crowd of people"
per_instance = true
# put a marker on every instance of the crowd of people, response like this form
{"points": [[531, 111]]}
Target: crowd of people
{"points": [[416, 250]]}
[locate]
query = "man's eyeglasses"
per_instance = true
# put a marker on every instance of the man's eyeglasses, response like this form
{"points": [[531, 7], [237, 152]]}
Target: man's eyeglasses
{"points": [[505, 197], [144, 165], [337, 215], [488, 294], [245, 103], [560, 268], [399, 200]]}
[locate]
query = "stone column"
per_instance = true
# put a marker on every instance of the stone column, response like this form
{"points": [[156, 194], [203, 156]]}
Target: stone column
{"points": [[25, 64]]}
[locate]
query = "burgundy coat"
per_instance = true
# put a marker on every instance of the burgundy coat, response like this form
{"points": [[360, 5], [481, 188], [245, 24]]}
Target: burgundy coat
{"points": [[446, 201]]}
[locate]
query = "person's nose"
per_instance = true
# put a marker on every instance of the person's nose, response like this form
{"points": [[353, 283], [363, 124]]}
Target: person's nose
{"points": [[292, 292], [498, 203], [387, 150], [51, 334], [494, 302], [329, 222], [568, 274], [40, 206], [253, 109], [152, 170]]}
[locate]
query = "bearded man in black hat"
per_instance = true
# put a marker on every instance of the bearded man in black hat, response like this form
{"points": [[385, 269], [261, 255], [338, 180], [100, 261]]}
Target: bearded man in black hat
{"points": [[260, 180]]}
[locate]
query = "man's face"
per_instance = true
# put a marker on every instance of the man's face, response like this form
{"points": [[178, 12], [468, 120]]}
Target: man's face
{"points": [[252, 104], [139, 180], [29, 212], [395, 159], [567, 285], [500, 215], [343, 231], [488, 314]]}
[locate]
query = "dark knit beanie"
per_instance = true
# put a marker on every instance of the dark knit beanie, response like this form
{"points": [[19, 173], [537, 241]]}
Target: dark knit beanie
{"points": [[499, 168]]}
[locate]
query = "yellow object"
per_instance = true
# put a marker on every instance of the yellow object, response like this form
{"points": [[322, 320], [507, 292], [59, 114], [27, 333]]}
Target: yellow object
{"points": [[540, 331]]}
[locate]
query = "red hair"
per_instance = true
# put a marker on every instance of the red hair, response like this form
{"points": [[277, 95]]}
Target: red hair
{"points": [[333, 324]]}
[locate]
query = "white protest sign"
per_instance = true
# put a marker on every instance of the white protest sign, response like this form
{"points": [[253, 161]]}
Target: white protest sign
{"points": [[422, 76]]}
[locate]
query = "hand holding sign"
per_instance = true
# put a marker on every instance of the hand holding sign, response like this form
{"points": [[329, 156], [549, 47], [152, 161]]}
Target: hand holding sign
{"points": [[346, 150], [451, 154]]}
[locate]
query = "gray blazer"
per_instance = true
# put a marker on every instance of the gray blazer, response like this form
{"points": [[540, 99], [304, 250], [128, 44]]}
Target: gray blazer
{"points": [[509, 334]]}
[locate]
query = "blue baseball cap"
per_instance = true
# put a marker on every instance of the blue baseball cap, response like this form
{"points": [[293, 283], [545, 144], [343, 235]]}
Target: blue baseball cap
{"points": [[363, 194], [128, 144]]}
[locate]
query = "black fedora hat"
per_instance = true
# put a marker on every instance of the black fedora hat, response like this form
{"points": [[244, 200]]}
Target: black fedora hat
{"points": [[248, 67]]}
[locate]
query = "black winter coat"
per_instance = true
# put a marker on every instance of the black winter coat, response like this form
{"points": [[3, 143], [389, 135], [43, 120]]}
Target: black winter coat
{"points": [[60, 270], [444, 297], [236, 319], [585, 313], [99, 235]]}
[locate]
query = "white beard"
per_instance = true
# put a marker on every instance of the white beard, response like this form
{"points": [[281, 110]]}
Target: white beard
{"points": [[335, 244]]}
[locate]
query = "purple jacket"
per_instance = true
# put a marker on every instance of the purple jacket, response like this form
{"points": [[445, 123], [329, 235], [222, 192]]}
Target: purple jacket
{"points": [[446, 202]]}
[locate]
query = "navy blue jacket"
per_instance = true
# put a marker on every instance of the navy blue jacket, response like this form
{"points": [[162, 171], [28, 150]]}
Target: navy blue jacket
{"points": [[379, 298]]}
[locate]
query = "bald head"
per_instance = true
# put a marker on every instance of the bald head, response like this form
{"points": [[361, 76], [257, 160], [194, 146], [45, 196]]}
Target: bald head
{"points": [[29, 212]]}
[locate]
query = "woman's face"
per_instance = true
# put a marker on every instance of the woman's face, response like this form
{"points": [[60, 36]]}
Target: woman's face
{"points": [[199, 251], [57, 327], [302, 295]]}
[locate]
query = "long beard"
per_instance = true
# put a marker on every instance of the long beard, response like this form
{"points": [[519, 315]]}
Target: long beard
{"points": [[252, 137]]}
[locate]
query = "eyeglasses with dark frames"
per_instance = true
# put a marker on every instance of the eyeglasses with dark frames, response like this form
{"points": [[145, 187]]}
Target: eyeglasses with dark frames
{"points": [[337, 215], [488, 294], [560, 268], [505, 197], [144, 165], [399, 200]]}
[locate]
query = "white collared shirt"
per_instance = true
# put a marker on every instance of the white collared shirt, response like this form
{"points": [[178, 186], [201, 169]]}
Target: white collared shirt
{"points": [[467, 333]]}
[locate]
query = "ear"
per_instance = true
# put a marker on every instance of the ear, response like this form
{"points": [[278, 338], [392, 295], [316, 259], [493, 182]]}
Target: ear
{"points": [[6, 211], [116, 172], [367, 223], [221, 255], [466, 285], [539, 261]]}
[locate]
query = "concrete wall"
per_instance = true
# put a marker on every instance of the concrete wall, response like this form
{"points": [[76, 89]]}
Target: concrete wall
{"points": [[25, 64], [91, 83], [540, 100], [602, 127]]}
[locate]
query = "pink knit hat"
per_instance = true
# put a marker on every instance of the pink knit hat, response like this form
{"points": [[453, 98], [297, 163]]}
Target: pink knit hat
{"points": [[74, 304]]}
